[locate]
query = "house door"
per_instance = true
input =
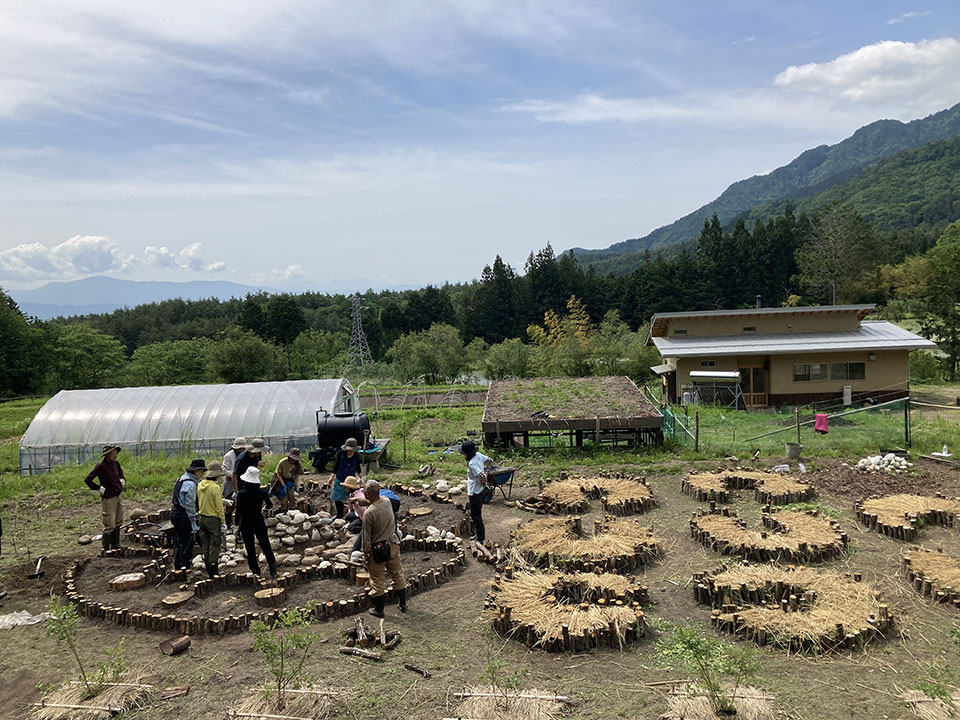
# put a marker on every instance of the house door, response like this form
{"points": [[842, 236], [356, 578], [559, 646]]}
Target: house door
{"points": [[753, 385]]}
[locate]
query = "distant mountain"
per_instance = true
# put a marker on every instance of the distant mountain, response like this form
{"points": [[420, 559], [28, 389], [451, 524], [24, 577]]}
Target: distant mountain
{"points": [[101, 294], [813, 172]]}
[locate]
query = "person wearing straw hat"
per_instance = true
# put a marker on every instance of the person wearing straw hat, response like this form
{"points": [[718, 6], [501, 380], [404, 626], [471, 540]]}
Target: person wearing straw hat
{"points": [[286, 479], [347, 464], [183, 513], [210, 508], [229, 482], [250, 501], [110, 487], [381, 549]]}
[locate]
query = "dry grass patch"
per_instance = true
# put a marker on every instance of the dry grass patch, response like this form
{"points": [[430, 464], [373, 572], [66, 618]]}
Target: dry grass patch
{"points": [[496, 703], [619, 495], [690, 702], [71, 700], [620, 544], [933, 574], [768, 488], [902, 516]]}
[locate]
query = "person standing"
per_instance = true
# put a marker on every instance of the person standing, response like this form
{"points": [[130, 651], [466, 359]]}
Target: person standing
{"points": [[250, 501], [381, 549], [476, 489], [286, 479], [229, 482], [183, 513], [212, 517], [358, 504], [110, 487], [347, 464], [252, 456]]}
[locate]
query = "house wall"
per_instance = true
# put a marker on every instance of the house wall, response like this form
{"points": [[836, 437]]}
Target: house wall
{"points": [[765, 323]]}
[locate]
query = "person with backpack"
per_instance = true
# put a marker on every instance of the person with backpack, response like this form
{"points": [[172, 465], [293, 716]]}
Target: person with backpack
{"points": [[184, 513]]}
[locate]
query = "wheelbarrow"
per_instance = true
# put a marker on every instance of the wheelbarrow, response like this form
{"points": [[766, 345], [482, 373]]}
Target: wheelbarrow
{"points": [[499, 478]]}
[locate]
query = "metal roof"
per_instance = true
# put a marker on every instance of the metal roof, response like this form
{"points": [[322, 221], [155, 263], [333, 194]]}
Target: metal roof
{"points": [[714, 374], [879, 335], [658, 323]]}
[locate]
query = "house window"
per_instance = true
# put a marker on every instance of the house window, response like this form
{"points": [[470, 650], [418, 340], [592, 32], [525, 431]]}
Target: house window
{"points": [[848, 371], [708, 363], [750, 329], [809, 372], [679, 332]]}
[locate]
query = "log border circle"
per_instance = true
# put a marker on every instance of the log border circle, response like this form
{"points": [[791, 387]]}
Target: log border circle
{"points": [[592, 488], [743, 479]]}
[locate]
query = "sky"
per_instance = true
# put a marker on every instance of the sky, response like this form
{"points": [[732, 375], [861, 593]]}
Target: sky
{"points": [[319, 144]]}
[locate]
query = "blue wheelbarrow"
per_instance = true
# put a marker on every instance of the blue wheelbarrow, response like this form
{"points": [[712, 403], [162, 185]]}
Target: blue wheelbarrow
{"points": [[499, 478]]}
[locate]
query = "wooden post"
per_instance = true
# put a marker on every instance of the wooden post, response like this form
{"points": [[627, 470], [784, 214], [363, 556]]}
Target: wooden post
{"points": [[797, 414], [404, 438], [906, 417], [696, 437]]}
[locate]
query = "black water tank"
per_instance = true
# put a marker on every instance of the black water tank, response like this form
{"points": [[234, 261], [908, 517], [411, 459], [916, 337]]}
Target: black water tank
{"points": [[334, 430]]}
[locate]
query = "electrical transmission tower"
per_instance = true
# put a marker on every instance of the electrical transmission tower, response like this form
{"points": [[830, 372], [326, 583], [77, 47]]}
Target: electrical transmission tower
{"points": [[358, 354]]}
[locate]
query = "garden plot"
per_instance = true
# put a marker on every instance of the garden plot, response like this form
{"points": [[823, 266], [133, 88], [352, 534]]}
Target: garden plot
{"points": [[614, 545], [903, 516], [935, 575], [795, 608], [768, 488], [619, 494], [788, 535]]}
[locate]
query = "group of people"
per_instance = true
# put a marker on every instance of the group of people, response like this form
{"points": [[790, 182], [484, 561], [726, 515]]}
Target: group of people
{"points": [[207, 499]]}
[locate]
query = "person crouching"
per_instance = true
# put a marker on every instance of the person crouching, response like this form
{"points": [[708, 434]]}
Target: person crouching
{"points": [[381, 549], [212, 517]]}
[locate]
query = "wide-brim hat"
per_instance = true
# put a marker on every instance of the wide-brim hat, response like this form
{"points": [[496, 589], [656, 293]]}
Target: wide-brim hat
{"points": [[350, 444], [197, 464], [215, 470], [293, 453], [350, 482], [239, 443], [110, 448], [468, 448], [251, 475], [257, 445]]}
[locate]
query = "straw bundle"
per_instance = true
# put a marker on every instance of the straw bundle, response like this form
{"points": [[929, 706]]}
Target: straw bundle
{"points": [[790, 534], [562, 496], [306, 703], [899, 516], [493, 703], [575, 611], [768, 488], [928, 708], [933, 575], [692, 703], [111, 700], [796, 608], [619, 494], [619, 545]]}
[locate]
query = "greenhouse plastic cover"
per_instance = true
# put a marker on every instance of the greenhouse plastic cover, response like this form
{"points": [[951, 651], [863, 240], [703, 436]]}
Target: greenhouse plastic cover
{"points": [[74, 425]]}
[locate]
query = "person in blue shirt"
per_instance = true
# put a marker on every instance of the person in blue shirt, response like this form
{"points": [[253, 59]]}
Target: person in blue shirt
{"points": [[476, 489], [348, 463], [184, 513]]}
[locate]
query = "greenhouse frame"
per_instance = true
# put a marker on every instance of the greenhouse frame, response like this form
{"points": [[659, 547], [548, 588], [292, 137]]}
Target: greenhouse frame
{"points": [[188, 420]]}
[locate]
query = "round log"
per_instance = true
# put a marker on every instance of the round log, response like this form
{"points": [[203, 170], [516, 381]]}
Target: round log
{"points": [[177, 598], [128, 581], [175, 646], [270, 597], [420, 511]]}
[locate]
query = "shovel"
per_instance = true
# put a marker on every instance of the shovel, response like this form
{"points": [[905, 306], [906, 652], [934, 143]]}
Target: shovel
{"points": [[37, 573]]}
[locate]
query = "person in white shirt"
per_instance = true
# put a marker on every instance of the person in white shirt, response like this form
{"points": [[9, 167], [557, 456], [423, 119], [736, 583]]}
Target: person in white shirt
{"points": [[229, 489], [476, 489]]}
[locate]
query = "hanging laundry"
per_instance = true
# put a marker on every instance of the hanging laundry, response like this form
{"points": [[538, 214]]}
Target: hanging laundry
{"points": [[820, 423]]}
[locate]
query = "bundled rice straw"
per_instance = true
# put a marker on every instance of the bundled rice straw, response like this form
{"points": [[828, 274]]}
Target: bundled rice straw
{"points": [[928, 708], [615, 545], [305, 703], [111, 700], [899, 516], [619, 494], [768, 488], [492, 703], [575, 611], [796, 608], [692, 703], [790, 534], [564, 496], [933, 575]]}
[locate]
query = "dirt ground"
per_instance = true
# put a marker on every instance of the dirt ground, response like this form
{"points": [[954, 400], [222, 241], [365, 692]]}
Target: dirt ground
{"points": [[445, 633]]}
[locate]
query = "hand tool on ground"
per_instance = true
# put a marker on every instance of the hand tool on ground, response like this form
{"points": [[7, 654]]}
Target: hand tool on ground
{"points": [[37, 573]]}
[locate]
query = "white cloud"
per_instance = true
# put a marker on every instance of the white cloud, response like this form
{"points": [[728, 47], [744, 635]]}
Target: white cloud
{"points": [[160, 257], [189, 258], [290, 272], [216, 267], [893, 79], [80, 255], [907, 16]]}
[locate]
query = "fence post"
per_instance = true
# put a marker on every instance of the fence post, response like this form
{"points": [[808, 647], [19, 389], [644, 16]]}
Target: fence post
{"points": [[906, 420], [696, 437], [797, 413], [404, 438]]}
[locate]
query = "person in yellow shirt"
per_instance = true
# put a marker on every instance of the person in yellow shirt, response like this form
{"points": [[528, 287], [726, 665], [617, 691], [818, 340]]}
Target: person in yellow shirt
{"points": [[212, 519]]}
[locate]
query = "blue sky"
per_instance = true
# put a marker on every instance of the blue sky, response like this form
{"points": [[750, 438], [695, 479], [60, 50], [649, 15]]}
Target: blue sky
{"points": [[341, 145]]}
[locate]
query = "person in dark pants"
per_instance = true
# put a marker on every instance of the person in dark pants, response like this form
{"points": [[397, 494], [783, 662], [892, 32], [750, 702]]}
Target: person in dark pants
{"points": [[184, 513], [476, 489], [347, 464], [249, 511]]}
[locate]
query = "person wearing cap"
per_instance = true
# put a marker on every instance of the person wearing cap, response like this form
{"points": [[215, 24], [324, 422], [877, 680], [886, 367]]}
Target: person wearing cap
{"points": [[230, 482], [476, 489], [183, 513], [252, 456], [348, 463], [212, 517], [250, 501], [286, 479], [110, 486], [381, 549]]}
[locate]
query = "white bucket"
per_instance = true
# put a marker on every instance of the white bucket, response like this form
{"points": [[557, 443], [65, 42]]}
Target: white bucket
{"points": [[794, 450]]}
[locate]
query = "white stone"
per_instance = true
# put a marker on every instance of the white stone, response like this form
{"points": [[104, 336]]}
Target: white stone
{"points": [[339, 523], [356, 556], [442, 486], [326, 520], [432, 530], [291, 530], [301, 538], [325, 564], [306, 526], [341, 557], [323, 514], [289, 541], [449, 535], [310, 551], [231, 563], [271, 521], [309, 560], [283, 517], [455, 490], [333, 543], [315, 536]]}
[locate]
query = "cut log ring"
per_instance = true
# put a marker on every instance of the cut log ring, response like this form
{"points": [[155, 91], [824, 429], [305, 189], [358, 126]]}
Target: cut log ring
{"points": [[420, 511], [178, 598], [900, 516], [935, 575], [618, 493], [270, 597], [128, 581], [768, 488], [616, 545], [788, 535]]}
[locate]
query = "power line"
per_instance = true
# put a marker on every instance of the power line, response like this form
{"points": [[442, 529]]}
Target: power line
{"points": [[358, 354]]}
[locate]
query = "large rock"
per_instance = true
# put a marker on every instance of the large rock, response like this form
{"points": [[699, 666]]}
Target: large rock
{"points": [[339, 523], [309, 560], [289, 541], [271, 522], [84, 539], [274, 543], [300, 538], [283, 517], [137, 513], [291, 560], [291, 530]]}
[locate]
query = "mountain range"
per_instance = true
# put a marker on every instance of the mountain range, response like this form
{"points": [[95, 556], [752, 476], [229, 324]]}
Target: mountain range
{"points": [[877, 165]]}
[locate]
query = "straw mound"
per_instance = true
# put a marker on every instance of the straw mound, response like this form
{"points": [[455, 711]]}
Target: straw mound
{"points": [[796, 608], [574, 611], [615, 544], [928, 708], [110, 701], [933, 574], [492, 703], [620, 494], [789, 534], [768, 487], [258, 705], [691, 703], [564, 495], [898, 515]]}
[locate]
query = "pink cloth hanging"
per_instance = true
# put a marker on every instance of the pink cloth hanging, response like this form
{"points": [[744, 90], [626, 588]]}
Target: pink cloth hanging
{"points": [[820, 423]]}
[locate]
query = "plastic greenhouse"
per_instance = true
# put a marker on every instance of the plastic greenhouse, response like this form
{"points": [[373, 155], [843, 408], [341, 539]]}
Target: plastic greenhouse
{"points": [[201, 420]]}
